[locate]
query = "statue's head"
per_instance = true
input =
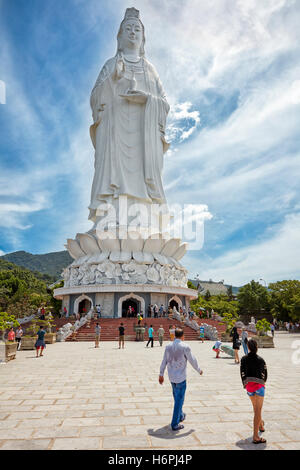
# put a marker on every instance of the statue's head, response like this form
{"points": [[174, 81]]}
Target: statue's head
{"points": [[131, 31]]}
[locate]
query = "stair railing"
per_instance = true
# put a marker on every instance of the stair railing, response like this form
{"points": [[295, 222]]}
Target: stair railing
{"points": [[69, 329]]}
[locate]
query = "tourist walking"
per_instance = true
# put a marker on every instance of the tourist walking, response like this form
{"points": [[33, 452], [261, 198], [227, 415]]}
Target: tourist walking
{"points": [[235, 344], [245, 340], [121, 336], [97, 335], [150, 335], [175, 359], [272, 329], [40, 342], [19, 334], [254, 376], [161, 333]]}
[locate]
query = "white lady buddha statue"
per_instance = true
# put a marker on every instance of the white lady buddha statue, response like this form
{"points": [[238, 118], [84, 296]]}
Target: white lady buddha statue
{"points": [[129, 112]]}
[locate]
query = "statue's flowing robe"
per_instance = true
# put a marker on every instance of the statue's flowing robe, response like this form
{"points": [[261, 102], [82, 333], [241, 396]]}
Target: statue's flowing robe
{"points": [[128, 137]]}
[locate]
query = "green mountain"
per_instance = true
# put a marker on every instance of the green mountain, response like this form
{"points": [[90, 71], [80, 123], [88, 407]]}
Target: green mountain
{"points": [[50, 265]]}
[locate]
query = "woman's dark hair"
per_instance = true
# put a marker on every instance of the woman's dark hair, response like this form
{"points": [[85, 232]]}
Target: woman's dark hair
{"points": [[252, 345]]}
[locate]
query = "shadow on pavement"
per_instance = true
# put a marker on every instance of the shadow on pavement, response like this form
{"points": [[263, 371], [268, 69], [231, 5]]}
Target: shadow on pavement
{"points": [[167, 433], [246, 444]]}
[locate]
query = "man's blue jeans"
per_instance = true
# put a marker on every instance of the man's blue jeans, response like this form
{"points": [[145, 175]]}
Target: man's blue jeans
{"points": [[178, 394]]}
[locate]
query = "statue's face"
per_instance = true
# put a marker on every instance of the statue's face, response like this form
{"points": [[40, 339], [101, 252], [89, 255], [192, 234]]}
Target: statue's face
{"points": [[132, 34]]}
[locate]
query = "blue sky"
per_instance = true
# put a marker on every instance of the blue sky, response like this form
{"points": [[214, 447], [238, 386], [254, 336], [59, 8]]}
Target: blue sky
{"points": [[231, 71]]}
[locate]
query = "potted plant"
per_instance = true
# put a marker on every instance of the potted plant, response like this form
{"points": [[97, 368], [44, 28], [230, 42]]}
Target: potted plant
{"points": [[50, 337], [29, 339], [262, 339], [8, 321]]}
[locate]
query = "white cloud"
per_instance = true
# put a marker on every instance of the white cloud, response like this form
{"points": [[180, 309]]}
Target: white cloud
{"points": [[179, 122], [273, 259], [13, 214]]}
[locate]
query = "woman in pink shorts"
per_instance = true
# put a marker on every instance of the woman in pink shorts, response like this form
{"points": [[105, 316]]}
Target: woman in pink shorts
{"points": [[254, 376]]}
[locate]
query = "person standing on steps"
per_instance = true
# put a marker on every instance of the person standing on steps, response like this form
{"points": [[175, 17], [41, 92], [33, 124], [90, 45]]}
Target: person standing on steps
{"points": [[175, 359], [121, 336], [201, 332], [98, 309], [254, 375]]}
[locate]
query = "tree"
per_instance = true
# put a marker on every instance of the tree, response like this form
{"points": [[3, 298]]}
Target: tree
{"points": [[230, 320], [253, 298], [285, 300], [191, 285], [7, 321], [22, 307], [207, 295], [218, 303], [263, 326], [230, 293]]}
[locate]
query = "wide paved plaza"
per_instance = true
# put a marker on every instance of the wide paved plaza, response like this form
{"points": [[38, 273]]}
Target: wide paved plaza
{"points": [[79, 397]]}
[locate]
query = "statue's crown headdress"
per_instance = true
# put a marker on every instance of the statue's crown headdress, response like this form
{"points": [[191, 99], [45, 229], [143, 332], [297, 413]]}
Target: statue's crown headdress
{"points": [[132, 13], [129, 14]]}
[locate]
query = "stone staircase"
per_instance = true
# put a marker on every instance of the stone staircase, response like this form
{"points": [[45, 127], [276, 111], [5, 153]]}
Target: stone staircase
{"points": [[110, 331]]}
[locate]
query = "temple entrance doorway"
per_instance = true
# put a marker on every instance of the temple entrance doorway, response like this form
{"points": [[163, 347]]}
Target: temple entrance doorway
{"points": [[135, 308], [84, 306], [173, 304]]}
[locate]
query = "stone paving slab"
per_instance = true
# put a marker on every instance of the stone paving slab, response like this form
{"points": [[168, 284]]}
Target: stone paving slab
{"points": [[79, 397]]}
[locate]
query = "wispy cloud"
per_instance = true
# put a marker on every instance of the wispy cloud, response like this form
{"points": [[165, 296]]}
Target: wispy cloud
{"points": [[182, 122], [273, 259]]}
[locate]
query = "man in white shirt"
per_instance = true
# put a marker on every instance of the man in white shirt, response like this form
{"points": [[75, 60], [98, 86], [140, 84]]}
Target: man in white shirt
{"points": [[175, 359]]}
